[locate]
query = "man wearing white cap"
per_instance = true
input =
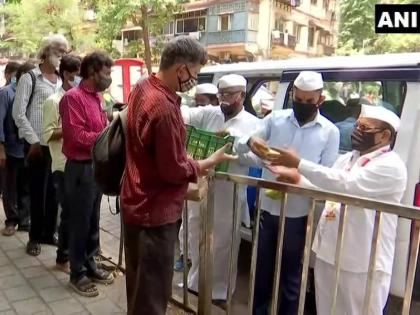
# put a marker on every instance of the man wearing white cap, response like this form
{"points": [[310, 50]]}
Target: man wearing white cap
{"points": [[206, 94], [316, 139], [232, 118], [371, 170]]}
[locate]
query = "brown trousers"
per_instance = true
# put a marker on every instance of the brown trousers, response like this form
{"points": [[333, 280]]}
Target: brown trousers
{"points": [[149, 257]]}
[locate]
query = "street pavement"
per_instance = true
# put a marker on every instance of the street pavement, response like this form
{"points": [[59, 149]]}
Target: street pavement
{"points": [[30, 285]]}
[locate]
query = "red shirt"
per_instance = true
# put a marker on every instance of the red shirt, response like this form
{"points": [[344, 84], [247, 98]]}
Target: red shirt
{"points": [[158, 170], [82, 121]]}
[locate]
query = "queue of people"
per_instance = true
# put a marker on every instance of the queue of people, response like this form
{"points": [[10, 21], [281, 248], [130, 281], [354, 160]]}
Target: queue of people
{"points": [[52, 112]]}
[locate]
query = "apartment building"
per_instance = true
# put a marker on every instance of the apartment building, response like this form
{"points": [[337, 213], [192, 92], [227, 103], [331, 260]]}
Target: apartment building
{"points": [[251, 30]]}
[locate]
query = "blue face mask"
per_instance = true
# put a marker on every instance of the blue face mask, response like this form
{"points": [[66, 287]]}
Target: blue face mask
{"points": [[13, 81]]}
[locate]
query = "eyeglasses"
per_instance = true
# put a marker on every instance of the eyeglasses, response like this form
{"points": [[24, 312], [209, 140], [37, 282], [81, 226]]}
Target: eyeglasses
{"points": [[227, 94], [364, 128]]}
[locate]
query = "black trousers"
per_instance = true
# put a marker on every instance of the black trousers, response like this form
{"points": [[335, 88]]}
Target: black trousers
{"points": [[291, 265], [63, 229], [84, 202], [44, 207], [16, 193], [149, 258]]}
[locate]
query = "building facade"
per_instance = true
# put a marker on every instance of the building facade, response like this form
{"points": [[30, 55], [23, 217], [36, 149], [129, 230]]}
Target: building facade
{"points": [[249, 30]]}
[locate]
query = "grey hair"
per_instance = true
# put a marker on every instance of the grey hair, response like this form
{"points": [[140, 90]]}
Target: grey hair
{"points": [[49, 42]]}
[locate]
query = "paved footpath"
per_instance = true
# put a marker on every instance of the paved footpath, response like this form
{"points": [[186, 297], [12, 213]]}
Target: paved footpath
{"points": [[30, 285]]}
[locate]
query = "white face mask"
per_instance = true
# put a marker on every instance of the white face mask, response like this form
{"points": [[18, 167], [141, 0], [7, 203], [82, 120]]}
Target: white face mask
{"points": [[76, 81], [54, 60]]}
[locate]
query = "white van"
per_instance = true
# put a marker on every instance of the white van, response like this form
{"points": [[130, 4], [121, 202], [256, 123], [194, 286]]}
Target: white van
{"points": [[392, 81]]}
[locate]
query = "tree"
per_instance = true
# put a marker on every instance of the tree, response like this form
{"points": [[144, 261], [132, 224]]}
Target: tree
{"points": [[28, 21], [357, 31], [150, 15], [357, 27]]}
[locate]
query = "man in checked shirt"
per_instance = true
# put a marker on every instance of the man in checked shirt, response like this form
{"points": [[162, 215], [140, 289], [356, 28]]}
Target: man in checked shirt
{"points": [[157, 175], [28, 115]]}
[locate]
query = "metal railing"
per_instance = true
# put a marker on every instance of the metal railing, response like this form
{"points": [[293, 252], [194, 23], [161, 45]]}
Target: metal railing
{"points": [[206, 243]]}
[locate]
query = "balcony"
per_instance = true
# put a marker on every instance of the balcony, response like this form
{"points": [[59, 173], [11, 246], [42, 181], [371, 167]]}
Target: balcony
{"points": [[228, 37], [283, 40], [291, 3], [325, 50]]}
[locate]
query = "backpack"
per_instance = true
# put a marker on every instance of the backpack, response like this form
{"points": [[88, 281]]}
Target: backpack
{"points": [[32, 74], [108, 155], [31, 96]]}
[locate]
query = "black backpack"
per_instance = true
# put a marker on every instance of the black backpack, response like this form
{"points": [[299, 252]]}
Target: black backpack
{"points": [[108, 155], [31, 96]]}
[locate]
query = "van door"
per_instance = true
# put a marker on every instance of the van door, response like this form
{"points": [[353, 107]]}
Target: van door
{"points": [[262, 92]]}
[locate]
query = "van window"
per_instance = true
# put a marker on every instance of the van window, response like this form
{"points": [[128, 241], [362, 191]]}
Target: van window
{"points": [[343, 101], [264, 97]]}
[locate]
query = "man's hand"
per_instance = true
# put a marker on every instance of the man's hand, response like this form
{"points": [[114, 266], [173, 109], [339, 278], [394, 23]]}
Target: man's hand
{"points": [[259, 147], [2, 156], [285, 174], [222, 133], [287, 157], [35, 153], [216, 158], [221, 156]]}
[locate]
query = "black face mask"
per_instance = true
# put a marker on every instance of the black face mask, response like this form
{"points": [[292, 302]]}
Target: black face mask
{"points": [[363, 141], [303, 111]]}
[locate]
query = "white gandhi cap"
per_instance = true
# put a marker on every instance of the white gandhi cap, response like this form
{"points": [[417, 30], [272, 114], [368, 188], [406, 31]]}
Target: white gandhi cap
{"points": [[309, 81], [206, 88], [232, 80], [381, 113]]}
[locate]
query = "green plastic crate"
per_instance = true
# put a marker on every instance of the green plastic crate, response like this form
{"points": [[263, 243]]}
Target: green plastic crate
{"points": [[201, 144]]}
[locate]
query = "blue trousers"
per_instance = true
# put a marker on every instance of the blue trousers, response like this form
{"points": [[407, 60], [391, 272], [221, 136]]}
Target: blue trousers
{"points": [[291, 265]]}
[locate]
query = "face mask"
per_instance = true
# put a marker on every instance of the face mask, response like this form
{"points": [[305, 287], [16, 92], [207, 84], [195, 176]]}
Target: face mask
{"points": [[55, 61], [229, 109], [76, 81], [103, 83], [363, 141], [188, 84], [303, 111], [13, 81]]}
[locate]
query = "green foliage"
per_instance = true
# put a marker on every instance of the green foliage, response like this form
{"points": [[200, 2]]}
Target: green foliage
{"points": [[28, 21], [357, 31], [356, 23], [114, 15]]}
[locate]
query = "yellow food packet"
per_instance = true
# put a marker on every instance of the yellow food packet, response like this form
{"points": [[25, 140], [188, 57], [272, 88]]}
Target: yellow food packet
{"points": [[274, 194]]}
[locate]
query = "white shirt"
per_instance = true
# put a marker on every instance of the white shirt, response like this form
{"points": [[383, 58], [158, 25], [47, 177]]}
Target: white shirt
{"points": [[29, 117], [380, 175], [211, 118], [317, 141], [52, 122]]}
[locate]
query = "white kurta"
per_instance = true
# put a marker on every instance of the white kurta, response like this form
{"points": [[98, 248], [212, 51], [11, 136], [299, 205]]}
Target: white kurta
{"points": [[211, 118], [381, 175]]}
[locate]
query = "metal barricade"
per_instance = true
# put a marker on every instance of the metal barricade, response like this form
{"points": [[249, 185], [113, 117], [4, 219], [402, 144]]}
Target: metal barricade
{"points": [[206, 242], [204, 305]]}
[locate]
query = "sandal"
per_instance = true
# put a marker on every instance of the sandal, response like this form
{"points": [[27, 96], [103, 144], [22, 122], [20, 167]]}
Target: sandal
{"points": [[33, 249], [9, 230], [84, 287], [101, 276]]}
